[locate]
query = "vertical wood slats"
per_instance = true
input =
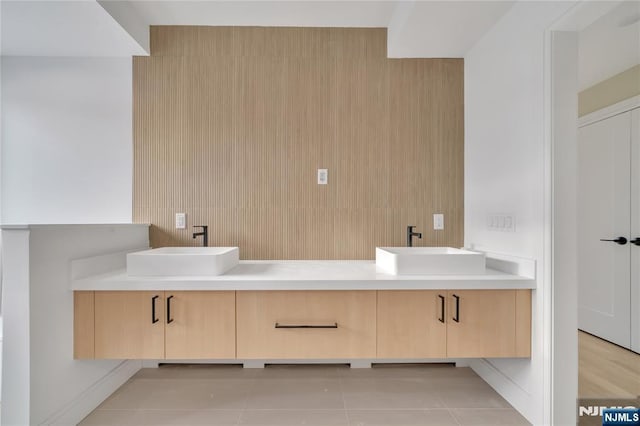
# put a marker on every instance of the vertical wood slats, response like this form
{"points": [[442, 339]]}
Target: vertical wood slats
{"points": [[232, 123]]}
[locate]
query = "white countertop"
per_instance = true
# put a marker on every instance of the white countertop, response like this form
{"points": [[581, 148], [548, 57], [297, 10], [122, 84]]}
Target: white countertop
{"points": [[305, 275]]}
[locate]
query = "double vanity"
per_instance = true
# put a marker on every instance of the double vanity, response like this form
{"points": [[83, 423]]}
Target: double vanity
{"points": [[203, 303]]}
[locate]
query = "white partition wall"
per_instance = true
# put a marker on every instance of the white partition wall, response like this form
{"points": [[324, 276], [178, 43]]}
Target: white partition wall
{"points": [[66, 140], [38, 323], [505, 166]]}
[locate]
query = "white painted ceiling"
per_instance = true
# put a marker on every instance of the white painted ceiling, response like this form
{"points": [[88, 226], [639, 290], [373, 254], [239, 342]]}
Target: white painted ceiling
{"points": [[62, 28], [445, 29], [83, 28], [416, 28], [610, 45], [267, 13]]}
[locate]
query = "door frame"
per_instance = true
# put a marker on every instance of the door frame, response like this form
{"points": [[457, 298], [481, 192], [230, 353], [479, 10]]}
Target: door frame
{"points": [[560, 259]]}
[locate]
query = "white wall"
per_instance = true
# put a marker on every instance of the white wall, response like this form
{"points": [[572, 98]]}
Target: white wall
{"points": [[505, 167], [66, 140], [610, 45], [42, 383]]}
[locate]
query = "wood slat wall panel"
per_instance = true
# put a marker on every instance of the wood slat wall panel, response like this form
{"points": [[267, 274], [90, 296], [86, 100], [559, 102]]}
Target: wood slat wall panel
{"points": [[303, 42], [192, 41], [232, 123]]}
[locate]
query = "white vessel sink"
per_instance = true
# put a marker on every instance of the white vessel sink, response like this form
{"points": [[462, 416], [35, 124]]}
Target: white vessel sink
{"points": [[429, 261], [167, 261]]}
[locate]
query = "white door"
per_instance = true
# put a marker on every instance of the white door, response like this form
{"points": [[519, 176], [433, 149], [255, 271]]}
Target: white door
{"points": [[604, 189], [635, 230]]}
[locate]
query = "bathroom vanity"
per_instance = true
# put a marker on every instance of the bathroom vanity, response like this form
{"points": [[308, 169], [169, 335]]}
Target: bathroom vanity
{"points": [[302, 310]]}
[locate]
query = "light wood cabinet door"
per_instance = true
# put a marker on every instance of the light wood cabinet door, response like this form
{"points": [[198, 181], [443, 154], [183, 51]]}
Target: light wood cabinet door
{"points": [[200, 325], [83, 325], [412, 324], [306, 324], [126, 327], [488, 323]]}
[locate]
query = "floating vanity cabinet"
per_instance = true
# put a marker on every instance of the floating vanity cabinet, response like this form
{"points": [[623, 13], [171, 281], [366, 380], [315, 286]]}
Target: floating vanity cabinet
{"points": [[303, 324], [83, 325], [200, 325], [154, 325], [411, 324], [454, 324], [129, 324], [489, 323], [306, 324]]}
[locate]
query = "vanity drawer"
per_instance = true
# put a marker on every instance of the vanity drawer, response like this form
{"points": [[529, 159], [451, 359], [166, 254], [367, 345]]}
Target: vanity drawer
{"points": [[306, 324]]}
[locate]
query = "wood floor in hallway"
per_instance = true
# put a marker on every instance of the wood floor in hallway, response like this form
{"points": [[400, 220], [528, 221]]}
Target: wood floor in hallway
{"points": [[606, 370]]}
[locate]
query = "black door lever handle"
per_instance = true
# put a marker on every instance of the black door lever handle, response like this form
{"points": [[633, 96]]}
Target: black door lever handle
{"points": [[635, 241], [620, 240]]}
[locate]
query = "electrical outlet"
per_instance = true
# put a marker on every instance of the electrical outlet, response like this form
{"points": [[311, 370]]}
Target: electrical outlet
{"points": [[181, 220], [323, 176], [438, 221]]}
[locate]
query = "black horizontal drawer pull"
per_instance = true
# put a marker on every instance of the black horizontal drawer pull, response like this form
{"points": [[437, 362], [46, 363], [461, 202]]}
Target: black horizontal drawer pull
{"points": [[334, 325]]}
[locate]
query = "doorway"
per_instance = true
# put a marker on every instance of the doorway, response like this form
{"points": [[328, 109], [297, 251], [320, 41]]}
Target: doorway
{"points": [[608, 221], [567, 212]]}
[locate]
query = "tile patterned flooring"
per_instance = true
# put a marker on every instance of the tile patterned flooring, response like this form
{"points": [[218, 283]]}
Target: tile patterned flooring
{"points": [[305, 395]]}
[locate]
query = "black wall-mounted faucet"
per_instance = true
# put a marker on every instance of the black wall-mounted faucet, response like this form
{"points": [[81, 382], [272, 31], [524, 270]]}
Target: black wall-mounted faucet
{"points": [[204, 233], [411, 234]]}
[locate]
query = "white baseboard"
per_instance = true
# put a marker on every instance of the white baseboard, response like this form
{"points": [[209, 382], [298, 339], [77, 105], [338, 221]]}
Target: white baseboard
{"points": [[519, 398], [87, 401]]}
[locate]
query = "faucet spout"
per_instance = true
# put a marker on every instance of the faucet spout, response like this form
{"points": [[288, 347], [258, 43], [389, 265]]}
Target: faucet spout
{"points": [[411, 234], [204, 233]]}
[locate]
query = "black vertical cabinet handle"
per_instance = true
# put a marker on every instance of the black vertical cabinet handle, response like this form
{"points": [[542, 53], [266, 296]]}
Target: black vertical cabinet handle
{"points": [[457, 317], [169, 319], [441, 319], [635, 241], [153, 310]]}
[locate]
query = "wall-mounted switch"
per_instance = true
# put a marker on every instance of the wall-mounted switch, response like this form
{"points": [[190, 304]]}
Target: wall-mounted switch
{"points": [[438, 221], [181, 220], [509, 224], [501, 222], [323, 176]]}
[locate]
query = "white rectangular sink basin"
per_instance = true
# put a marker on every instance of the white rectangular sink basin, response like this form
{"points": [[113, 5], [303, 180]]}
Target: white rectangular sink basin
{"points": [[168, 261], [429, 261]]}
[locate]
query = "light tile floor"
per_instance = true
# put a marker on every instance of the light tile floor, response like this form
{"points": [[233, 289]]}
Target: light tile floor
{"points": [[305, 395]]}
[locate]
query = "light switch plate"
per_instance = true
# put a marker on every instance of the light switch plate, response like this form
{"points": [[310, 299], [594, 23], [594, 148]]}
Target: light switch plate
{"points": [[323, 176], [181, 220], [438, 221], [501, 222]]}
